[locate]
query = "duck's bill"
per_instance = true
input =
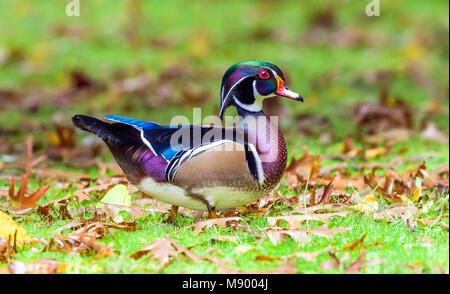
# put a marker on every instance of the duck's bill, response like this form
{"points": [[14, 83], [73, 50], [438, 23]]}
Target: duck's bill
{"points": [[284, 91]]}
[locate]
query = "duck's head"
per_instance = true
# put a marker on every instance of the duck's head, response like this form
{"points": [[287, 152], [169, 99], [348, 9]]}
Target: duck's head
{"points": [[246, 84]]}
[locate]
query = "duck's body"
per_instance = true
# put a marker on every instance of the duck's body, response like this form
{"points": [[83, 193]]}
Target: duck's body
{"points": [[202, 167]]}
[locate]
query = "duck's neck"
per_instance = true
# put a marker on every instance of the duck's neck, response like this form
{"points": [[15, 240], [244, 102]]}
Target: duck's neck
{"points": [[269, 142]]}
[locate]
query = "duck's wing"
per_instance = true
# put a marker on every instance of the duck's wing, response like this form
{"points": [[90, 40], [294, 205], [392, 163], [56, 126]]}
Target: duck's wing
{"points": [[181, 144]]}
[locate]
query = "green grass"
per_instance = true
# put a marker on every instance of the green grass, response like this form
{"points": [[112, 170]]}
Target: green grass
{"points": [[399, 248], [207, 37]]}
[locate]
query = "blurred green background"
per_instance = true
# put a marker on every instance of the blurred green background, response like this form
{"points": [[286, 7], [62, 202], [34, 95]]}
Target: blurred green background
{"points": [[153, 60], [376, 93]]}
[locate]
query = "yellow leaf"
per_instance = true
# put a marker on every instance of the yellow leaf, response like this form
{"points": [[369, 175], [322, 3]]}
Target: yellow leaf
{"points": [[118, 195], [8, 227], [374, 152], [368, 203], [416, 195], [199, 45], [414, 51], [405, 200]]}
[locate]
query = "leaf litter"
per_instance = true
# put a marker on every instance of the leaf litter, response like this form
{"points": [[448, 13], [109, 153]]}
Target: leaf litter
{"points": [[375, 189]]}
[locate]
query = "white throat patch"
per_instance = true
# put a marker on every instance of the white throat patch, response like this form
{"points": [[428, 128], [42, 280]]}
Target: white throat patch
{"points": [[255, 106]]}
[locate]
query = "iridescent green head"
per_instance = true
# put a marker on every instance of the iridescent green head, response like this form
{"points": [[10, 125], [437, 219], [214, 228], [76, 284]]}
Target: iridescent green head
{"points": [[247, 83]]}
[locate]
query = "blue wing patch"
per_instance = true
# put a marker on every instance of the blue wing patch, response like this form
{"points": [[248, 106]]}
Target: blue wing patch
{"points": [[155, 136], [135, 122]]}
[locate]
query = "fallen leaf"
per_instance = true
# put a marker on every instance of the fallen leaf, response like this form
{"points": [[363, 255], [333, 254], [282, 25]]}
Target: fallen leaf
{"points": [[432, 132], [355, 267], [277, 237], [374, 152], [306, 167], [355, 244], [397, 212], [115, 199], [117, 195], [161, 250], [324, 231], [266, 258], [430, 220], [43, 266], [221, 222], [288, 268], [367, 204], [309, 256], [295, 221], [241, 249], [221, 238], [9, 228], [164, 249], [23, 201]]}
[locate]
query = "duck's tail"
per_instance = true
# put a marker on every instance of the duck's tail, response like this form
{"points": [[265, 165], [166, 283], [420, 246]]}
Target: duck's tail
{"points": [[123, 141], [108, 132]]}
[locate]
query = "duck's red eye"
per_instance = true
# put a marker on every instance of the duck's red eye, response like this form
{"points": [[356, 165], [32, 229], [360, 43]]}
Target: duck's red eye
{"points": [[264, 75]]}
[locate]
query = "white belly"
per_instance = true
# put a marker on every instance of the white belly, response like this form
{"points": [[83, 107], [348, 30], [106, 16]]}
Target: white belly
{"points": [[218, 197]]}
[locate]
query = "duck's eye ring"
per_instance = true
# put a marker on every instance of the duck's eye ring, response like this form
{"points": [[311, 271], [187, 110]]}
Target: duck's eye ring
{"points": [[264, 75]]}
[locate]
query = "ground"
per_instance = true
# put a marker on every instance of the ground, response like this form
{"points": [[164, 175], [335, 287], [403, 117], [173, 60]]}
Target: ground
{"points": [[155, 60]]}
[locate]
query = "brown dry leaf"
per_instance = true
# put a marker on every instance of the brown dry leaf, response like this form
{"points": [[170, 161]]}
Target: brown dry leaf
{"points": [[221, 238], [164, 249], [326, 196], [83, 194], [221, 222], [355, 267], [83, 240], [309, 256], [430, 220], [135, 211], [28, 161], [391, 135], [332, 207], [72, 225], [266, 258], [277, 236], [213, 250], [104, 167], [445, 226], [23, 201], [306, 167], [288, 268], [396, 212], [367, 204], [63, 149], [241, 249], [161, 250], [295, 221], [355, 244], [43, 266], [324, 231], [334, 263], [432, 132], [57, 175], [385, 114], [63, 212]]}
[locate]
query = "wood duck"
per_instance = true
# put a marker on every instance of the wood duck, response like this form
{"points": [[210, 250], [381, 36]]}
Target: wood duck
{"points": [[205, 167]]}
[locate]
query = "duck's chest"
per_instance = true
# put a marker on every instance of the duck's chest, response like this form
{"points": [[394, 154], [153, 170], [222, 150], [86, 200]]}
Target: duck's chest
{"points": [[270, 145]]}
